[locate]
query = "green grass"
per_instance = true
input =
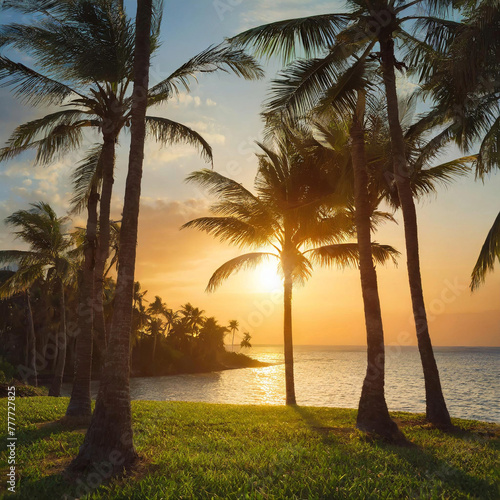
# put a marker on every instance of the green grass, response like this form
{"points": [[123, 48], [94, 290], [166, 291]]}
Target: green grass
{"points": [[204, 451]]}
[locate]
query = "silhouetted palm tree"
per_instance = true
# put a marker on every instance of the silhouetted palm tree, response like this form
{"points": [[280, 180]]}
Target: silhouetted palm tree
{"points": [[368, 22], [286, 215], [46, 258], [233, 327]]}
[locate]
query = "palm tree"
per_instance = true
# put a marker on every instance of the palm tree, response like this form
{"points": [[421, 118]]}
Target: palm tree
{"points": [[46, 258], [245, 341], [369, 22], [458, 67], [233, 327], [94, 84], [155, 309], [287, 215], [112, 419]]}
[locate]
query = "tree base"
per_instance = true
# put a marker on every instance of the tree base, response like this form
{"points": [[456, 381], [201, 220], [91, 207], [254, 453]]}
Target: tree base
{"points": [[108, 446], [373, 418], [78, 408], [55, 387]]}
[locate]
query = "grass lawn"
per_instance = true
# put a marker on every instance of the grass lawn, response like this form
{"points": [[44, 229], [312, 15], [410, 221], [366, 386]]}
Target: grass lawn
{"points": [[206, 451]]}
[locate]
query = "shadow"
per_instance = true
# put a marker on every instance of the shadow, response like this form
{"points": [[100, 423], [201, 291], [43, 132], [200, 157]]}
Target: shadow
{"points": [[26, 437], [329, 434]]}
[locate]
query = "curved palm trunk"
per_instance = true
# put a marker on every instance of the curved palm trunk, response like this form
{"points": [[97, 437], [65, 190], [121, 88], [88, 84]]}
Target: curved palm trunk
{"points": [[288, 341], [107, 161], [55, 388], [110, 431], [436, 410], [373, 415], [80, 402], [31, 347]]}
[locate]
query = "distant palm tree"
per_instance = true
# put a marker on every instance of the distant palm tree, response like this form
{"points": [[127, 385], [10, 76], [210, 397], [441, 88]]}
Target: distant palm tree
{"points": [[233, 327], [245, 341], [155, 309], [286, 215], [192, 317], [47, 258]]}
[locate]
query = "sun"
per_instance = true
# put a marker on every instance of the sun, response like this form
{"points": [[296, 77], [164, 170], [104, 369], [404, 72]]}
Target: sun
{"points": [[267, 278]]}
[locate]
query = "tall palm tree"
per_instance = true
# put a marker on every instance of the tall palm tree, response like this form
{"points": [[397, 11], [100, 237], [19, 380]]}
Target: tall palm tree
{"points": [[368, 22], [110, 429], [288, 216], [47, 258], [233, 327], [94, 84]]}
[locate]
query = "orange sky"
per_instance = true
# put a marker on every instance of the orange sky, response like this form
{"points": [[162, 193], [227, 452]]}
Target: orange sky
{"points": [[225, 110]]}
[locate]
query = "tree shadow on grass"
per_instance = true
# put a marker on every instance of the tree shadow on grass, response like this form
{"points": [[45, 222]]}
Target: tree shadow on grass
{"points": [[27, 437], [329, 434]]}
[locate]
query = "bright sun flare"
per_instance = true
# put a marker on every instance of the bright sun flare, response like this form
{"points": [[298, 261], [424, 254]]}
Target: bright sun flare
{"points": [[267, 277]]}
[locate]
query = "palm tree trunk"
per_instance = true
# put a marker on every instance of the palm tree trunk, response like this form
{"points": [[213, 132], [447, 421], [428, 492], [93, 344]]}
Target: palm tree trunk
{"points": [[107, 161], [373, 415], [31, 347], [288, 341], [436, 410], [80, 404], [55, 388], [110, 430]]}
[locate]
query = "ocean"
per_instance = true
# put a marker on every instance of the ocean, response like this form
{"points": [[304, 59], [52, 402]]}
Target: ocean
{"points": [[333, 375]]}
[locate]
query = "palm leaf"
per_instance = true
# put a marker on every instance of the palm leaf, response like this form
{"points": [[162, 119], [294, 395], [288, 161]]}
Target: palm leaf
{"points": [[32, 87], [231, 229], [490, 252], [222, 57], [312, 34], [303, 83], [489, 151], [246, 261], [86, 175], [347, 255], [169, 132]]}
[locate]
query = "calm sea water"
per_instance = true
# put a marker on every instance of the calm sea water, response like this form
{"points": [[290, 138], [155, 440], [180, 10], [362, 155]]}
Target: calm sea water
{"points": [[333, 375]]}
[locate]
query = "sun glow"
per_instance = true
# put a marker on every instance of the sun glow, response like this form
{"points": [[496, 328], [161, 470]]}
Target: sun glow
{"points": [[267, 278]]}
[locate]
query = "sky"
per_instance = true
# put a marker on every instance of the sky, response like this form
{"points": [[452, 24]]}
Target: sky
{"points": [[178, 264]]}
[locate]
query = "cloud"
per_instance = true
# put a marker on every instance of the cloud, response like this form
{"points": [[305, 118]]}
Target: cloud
{"points": [[210, 103]]}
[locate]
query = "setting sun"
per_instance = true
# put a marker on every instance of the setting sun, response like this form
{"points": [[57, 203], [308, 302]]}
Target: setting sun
{"points": [[267, 278]]}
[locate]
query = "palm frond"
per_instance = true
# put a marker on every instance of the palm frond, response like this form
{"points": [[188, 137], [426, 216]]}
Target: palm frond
{"points": [[169, 132], [223, 57], [344, 255], [21, 281], [490, 252], [24, 136], [86, 175], [312, 35], [488, 157], [246, 261], [427, 180], [30, 86], [222, 187], [231, 229], [303, 83]]}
